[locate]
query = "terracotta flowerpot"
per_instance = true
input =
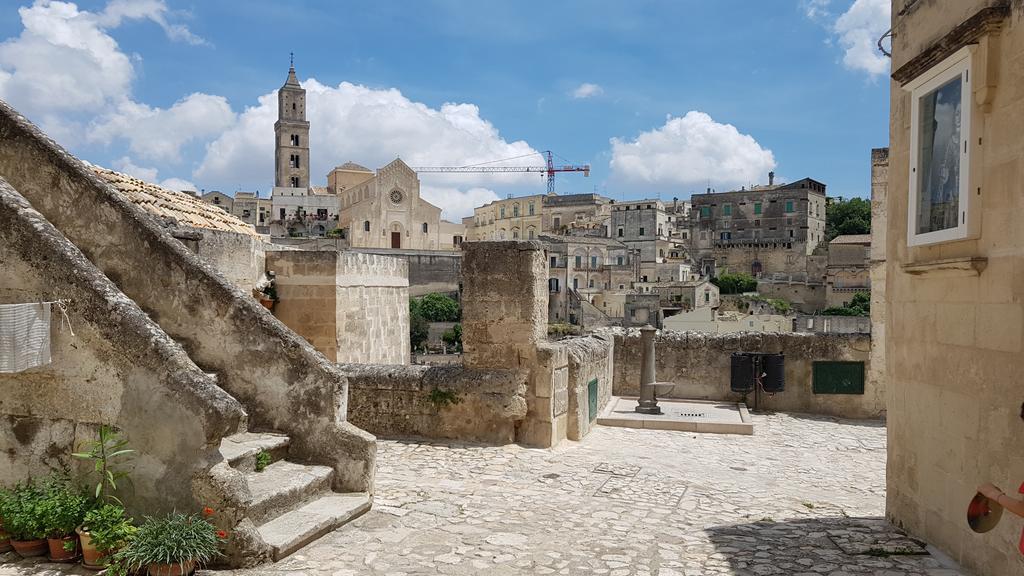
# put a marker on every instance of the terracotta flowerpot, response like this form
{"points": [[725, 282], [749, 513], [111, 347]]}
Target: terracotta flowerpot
{"points": [[29, 548], [268, 304], [172, 569], [91, 557], [58, 553]]}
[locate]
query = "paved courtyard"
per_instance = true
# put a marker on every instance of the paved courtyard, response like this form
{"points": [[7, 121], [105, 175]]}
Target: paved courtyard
{"points": [[802, 496]]}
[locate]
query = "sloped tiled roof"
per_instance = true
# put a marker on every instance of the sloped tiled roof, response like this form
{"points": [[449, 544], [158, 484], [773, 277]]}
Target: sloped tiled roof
{"points": [[184, 208], [852, 239], [353, 167]]}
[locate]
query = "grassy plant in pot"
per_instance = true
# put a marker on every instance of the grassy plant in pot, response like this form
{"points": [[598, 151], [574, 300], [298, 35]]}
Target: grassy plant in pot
{"points": [[104, 531], [23, 519], [172, 545], [62, 509]]}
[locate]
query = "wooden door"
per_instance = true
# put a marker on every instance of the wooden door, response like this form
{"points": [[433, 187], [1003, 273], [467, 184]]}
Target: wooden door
{"points": [[396, 239]]}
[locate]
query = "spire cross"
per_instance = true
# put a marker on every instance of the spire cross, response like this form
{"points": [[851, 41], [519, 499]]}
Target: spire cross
{"points": [[291, 59]]}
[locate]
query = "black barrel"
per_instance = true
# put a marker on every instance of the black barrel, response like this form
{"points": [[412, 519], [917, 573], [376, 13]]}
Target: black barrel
{"points": [[742, 377], [774, 368]]}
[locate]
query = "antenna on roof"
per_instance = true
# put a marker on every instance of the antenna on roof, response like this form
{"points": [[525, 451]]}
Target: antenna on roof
{"points": [[291, 59]]}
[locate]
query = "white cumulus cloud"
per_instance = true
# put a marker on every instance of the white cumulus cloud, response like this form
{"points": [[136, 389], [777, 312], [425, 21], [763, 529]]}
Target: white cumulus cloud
{"points": [[859, 29], [587, 90], [158, 134], [690, 150], [455, 203], [128, 166], [154, 10]]}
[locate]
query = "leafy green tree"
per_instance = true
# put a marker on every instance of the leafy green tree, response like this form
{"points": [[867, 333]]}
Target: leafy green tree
{"points": [[735, 283], [418, 326], [439, 308], [851, 216], [453, 337], [859, 305]]}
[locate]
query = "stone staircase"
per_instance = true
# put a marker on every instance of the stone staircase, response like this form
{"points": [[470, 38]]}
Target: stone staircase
{"points": [[291, 504]]}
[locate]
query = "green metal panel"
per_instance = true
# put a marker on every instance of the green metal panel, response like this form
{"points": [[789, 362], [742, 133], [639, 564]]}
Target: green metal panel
{"points": [[592, 397], [838, 378]]}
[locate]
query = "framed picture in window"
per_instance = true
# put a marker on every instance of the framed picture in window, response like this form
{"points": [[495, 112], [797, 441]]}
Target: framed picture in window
{"points": [[940, 153]]}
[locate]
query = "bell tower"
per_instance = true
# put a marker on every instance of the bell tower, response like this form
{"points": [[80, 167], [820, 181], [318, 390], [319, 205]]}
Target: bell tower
{"points": [[291, 135]]}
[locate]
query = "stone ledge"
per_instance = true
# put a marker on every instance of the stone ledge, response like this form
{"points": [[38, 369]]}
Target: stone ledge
{"points": [[969, 266]]}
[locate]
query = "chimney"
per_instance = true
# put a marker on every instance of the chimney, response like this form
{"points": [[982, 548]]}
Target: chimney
{"points": [[771, 178]]}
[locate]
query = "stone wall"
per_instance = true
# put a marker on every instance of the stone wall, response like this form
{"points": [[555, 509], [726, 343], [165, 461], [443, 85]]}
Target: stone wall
{"points": [[806, 298], [954, 311], [118, 368], [283, 383], [351, 307], [240, 258], [590, 358], [437, 402], [700, 366]]}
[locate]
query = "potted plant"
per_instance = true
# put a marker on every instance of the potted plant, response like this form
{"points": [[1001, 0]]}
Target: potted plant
{"points": [[268, 296], [173, 545], [104, 531], [5, 538], [62, 509], [23, 519]]}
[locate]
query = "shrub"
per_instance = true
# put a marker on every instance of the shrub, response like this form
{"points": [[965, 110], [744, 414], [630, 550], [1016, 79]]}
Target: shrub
{"points": [[453, 337], [735, 283], [173, 539], [62, 507], [561, 329], [439, 308], [104, 453], [859, 305], [108, 527], [418, 328], [21, 509]]}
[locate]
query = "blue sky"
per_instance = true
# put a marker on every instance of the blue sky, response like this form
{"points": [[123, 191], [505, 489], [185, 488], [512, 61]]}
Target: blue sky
{"points": [[660, 97]]}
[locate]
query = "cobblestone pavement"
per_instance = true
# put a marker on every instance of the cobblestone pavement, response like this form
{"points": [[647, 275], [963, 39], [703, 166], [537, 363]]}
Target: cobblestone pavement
{"points": [[803, 496]]}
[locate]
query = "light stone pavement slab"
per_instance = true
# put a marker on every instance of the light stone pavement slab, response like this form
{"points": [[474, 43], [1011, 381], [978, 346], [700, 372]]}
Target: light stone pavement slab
{"points": [[803, 496]]}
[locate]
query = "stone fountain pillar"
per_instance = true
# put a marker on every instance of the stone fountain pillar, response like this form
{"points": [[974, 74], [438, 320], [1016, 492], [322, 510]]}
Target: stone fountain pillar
{"points": [[648, 402]]}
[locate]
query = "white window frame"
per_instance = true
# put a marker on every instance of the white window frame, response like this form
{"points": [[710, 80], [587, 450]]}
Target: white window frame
{"points": [[959, 64]]}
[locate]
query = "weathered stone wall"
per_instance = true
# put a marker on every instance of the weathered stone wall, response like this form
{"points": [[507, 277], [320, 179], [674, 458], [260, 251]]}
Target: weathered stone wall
{"points": [[700, 366], [437, 402], [590, 358], [351, 307], [954, 311], [281, 380], [807, 298], [240, 258], [118, 368]]}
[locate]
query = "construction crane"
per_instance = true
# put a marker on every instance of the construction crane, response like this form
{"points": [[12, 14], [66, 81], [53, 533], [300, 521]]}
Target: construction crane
{"points": [[549, 169]]}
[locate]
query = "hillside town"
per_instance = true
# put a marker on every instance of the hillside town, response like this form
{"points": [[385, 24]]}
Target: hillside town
{"points": [[380, 370]]}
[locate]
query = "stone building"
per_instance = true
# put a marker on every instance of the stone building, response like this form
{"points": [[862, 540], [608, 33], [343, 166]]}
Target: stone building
{"points": [[954, 297], [250, 208], [218, 199], [763, 230], [848, 270], [582, 267], [647, 227], [527, 217]]}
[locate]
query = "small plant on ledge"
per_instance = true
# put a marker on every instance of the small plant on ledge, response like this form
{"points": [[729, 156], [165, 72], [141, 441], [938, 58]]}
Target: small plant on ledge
{"points": [[441, 398], [262, 460]]}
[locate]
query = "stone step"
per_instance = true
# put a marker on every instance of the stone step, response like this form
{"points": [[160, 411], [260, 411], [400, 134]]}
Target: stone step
{"points": [[284, 485], [240, 450], [293, 530]]}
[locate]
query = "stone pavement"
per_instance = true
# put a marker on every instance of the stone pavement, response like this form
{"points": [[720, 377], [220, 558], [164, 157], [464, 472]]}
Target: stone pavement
{"points": [[803, 496]]}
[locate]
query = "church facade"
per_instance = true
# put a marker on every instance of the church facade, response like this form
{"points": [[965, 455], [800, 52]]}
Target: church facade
{"points": [[369, 209]]}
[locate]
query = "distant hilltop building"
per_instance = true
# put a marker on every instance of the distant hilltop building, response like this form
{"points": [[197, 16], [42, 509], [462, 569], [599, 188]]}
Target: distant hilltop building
{"points": [[366, 208]]}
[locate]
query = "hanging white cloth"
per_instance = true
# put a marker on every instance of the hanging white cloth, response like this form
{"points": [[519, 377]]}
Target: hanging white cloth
{"points": [[24, 336]]}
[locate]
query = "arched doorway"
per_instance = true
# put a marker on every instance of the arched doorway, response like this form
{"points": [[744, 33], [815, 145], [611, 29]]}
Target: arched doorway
{"points": [[395, 233]]}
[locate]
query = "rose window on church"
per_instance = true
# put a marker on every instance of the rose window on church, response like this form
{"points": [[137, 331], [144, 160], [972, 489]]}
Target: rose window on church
{"points": [[396, 196]]}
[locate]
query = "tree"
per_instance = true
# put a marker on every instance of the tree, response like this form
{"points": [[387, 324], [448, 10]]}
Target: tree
{"points": [[859, 305], [453, 337], [439, 308], [851, 216], [735, 283], [418, 327]]}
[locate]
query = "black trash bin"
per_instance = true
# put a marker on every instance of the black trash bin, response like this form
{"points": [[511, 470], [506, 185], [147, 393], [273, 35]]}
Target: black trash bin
{"points": [[773, 366], [742, 376]]}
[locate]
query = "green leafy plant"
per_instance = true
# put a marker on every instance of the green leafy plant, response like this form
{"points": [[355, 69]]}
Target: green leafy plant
{"points": [[441, 398], [108, 527], [851, 216], [270, 291], [262, 460], [62, 507], [735, 283], [453, 337], [21, 509], [418, 327], [439, 308], [859, 305], [172, 539], [103, 452]]}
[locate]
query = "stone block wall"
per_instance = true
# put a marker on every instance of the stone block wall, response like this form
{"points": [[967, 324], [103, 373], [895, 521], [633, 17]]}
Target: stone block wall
{"points": [[447, 402], [590, 358], [700, 366], [351, 307], [240, 258]]}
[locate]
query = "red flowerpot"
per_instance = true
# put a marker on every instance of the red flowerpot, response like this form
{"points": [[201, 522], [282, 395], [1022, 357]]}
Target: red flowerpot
{"points": [[29, 548], [172, 569], [61, 553]]}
